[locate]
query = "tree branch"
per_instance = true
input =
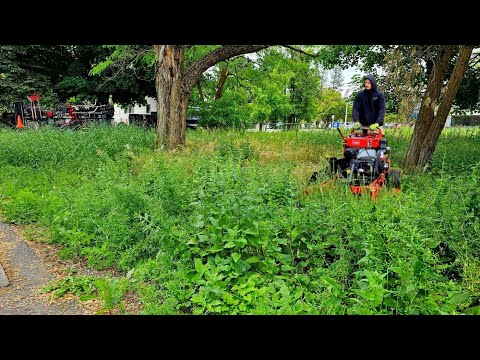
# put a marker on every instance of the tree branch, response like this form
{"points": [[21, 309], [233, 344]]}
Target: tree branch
{"points": [[223, 53], [300, 51], [453, 85]]}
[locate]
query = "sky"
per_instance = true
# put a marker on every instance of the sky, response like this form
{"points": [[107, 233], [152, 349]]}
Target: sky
{"points": [[347, 88]]}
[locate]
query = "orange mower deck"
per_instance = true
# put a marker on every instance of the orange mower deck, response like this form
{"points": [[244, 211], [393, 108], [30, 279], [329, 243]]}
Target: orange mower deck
{"points": [[365, 165]]}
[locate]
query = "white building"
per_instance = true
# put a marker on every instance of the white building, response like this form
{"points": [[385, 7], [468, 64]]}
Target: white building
{"points": [[448, 122], [121, 113]]}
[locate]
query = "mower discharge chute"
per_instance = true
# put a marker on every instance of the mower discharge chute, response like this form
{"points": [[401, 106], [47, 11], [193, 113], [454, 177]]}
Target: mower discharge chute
{"points": [[365, 164]]}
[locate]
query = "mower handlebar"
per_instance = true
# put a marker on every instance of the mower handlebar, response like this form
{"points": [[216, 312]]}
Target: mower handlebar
{"points": [[368, 131]]}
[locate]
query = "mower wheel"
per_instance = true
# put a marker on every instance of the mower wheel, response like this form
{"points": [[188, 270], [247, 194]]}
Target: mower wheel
{"points": [[329, 171], [314, 177], [394, 178]]}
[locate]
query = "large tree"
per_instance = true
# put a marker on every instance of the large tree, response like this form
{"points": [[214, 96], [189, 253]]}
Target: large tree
{"points": [[304, 89], [432, 73], [128, 84], [330, 102], [435, 108], [254, 90], [127, 72], [337, 77], [468, 96], [174, 84], [258, 89], [26, 69], [59, 72]]}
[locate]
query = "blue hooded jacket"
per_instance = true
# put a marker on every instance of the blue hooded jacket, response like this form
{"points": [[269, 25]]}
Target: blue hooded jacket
{"points": [[369, 105]]}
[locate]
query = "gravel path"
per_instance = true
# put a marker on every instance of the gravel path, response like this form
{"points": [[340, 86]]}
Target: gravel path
{"points": [[28, 273]]}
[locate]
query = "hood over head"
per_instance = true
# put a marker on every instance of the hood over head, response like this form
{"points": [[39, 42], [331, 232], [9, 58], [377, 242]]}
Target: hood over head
{"points": [[372, 80]]}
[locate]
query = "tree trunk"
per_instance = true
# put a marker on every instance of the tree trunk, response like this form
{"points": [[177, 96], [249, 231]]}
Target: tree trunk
{"points": [[427, 107], [172, 99], [429, 126], [221, 83], [174, 86], [200, 92], [430, 141], [225, 52], [291, 121]]}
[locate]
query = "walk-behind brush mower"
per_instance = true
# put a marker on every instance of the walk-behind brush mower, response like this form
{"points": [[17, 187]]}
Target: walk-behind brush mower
{"points": [[365, 164]]}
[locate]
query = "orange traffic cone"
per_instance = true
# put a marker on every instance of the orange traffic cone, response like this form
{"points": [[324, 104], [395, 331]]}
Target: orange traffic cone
{"points": [[19, 123]]}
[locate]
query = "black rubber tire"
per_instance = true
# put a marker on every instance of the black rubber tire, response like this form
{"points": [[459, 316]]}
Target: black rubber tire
{"points": [[394, 178], [314, 177], [331, 170], [338, 165]]}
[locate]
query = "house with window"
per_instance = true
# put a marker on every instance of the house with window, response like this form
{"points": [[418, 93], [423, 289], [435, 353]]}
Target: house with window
{"points": [[146, 114], [122, 114]]}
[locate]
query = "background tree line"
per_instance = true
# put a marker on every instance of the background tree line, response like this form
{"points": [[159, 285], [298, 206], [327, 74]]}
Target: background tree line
{"points": [[275, 85], [231, 88]]}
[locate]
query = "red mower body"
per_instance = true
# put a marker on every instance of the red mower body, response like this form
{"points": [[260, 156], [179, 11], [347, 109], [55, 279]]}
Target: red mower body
{"points": [[366, 164], [368, 141]]}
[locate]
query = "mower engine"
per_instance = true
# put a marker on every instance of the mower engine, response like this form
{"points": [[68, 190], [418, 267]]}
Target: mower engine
{"points": [[365, 157], [365, 165]]}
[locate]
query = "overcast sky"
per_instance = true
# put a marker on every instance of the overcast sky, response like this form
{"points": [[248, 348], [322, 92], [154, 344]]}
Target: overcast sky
{"points": [[347, 77]]}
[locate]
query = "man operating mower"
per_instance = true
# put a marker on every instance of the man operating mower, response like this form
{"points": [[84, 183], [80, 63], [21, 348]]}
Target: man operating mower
{"points": [[369, 106]]}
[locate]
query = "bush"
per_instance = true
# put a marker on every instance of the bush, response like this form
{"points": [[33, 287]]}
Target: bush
{"points": [[223, 226]]}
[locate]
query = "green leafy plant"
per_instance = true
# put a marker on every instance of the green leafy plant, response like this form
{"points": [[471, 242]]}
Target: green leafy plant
{"points": [[223, 226], [80, 285]]}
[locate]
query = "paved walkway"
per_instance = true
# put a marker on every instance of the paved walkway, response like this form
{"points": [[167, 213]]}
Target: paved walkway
{"points": [[27, 273]]}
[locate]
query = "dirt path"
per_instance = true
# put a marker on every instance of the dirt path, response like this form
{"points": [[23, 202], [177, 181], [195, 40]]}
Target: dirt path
{"points": [[28, 271]]}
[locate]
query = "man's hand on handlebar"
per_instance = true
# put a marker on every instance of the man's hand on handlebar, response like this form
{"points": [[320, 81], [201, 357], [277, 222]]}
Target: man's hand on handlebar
{"points": [[374, 128], [366, 128]]}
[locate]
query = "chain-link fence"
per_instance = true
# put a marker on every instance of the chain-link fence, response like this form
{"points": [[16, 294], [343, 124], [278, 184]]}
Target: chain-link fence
{"points": [[281, 126]]}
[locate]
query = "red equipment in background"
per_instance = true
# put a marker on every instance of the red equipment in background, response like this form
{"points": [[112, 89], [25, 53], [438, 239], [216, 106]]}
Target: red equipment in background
{"points": [[35, 110], [71, 112]]}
